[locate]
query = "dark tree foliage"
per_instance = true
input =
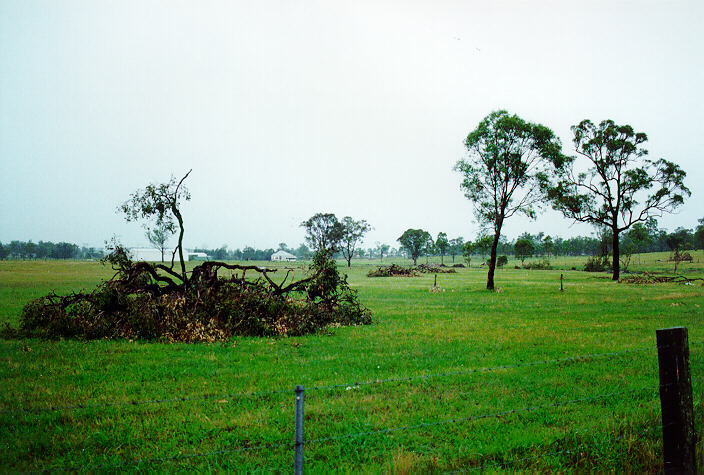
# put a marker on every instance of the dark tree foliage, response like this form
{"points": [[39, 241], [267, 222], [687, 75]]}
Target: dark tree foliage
{"points": [[467, 251], [523, 249], [324, 232], [699, 235], [483, 245], [620, 187], [415, 242], [456, 247], [507, 158], [442, 244]]}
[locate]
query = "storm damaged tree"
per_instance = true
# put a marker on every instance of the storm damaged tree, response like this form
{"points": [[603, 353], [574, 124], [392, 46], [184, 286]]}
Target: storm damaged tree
{"points": [[619, 188], [352, 233], [507, 158], [154, 301], [160, 203]]}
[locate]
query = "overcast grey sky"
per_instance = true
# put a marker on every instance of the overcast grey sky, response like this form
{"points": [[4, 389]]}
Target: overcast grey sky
{"points": [[284, 109]]}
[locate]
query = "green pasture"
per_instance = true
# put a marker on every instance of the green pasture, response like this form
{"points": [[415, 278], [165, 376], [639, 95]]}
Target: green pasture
{"points": [[456, 328]]}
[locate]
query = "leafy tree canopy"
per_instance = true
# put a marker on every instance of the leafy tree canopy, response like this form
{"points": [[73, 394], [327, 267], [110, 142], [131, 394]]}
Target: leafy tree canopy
{"points": [[619, 187], [415, 241], [352, 233], [507, 158], [324, 232], [523, 248]]}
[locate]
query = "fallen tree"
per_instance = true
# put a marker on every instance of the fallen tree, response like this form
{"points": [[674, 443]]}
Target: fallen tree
{"points": [[140, 302], [649, 278], [156, 302]]}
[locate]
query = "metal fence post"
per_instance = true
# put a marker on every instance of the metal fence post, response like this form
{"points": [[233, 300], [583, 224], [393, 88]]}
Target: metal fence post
{"points": [[298, 463], [678, 435]]}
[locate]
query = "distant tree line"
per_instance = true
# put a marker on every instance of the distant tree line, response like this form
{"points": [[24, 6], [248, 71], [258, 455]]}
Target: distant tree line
{"points": [[640, 238], [47, 250]]}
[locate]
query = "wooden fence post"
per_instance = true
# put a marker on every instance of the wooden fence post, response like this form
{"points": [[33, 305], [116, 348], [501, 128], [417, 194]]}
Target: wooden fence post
{"points": [[298, 462], [678, 435]]}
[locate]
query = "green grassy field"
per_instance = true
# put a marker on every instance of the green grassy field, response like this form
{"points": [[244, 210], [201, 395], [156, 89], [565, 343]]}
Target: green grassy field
{"points": [[416, 332]]}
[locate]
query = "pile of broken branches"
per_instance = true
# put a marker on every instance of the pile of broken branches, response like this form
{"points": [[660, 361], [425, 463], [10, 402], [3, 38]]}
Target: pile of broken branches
{"points": [[399, 271], [648, 278], [152, 301]]}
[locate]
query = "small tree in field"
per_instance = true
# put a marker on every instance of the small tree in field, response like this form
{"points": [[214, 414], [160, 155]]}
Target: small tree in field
{"points": [[620, 187], [483, 245], [324, 232], [548, 245], [523, 249], [467, 250], [507, 159], [415, 242], [158, 236], [352, 233], [161, 203], [641, 235], [456, 247], [442, 244], [383, 250], [678, 241]]}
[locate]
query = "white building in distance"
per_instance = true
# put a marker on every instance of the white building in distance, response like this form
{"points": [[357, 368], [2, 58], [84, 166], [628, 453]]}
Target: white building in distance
{"points": [[282, 256], [153, 255]]}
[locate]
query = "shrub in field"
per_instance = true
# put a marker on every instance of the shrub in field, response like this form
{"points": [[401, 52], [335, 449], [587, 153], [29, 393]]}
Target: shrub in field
{"points": [[135, 304], [597, 264], [500, 261], [540, 265]]}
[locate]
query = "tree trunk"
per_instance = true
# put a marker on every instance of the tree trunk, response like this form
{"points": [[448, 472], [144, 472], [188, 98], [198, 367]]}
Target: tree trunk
{"points": [[492, 261], [349, 261], [442, 259], [177, 213], [414, 259], [617, 262]]}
